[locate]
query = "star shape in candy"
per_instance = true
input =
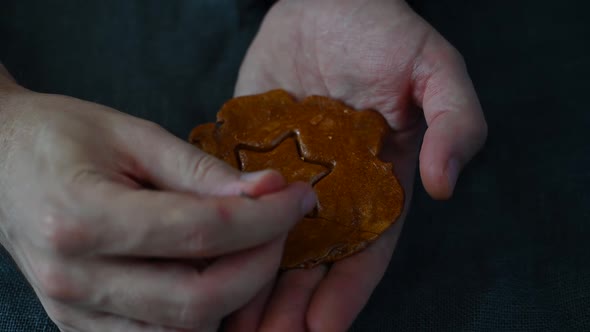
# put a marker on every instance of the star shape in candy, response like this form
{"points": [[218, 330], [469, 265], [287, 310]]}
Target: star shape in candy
{"points": [[295, 167]]}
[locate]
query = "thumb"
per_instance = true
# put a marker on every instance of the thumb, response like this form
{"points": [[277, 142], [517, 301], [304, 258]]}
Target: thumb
{"points": [[456, 125], [169, 163]]}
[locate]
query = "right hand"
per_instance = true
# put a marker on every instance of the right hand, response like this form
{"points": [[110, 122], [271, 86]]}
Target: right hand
{"points": [[106, 214]]}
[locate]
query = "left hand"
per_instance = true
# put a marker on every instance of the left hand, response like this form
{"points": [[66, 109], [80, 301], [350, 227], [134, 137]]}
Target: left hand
{"points": [[375, 54]]}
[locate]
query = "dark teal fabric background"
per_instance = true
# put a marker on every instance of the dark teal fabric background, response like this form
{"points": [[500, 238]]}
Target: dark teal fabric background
{"points": [[511, 250]]}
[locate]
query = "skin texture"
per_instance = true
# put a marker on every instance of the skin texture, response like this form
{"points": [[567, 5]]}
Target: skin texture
{"points": [[112, 219], [375, 54]]}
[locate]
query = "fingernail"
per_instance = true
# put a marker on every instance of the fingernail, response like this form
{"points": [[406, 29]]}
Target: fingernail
{"points": [[309, 202], [253, 176], [453, 173]]}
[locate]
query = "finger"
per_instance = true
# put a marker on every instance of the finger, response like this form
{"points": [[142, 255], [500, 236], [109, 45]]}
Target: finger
{"points": [[346, 288], [290, 300], [249, 317], [456, 125], [178, 295], [71, 320], [111, 219], [172, 164]]}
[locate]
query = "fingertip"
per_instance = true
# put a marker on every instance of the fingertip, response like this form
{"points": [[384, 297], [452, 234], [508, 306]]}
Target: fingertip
{"points": [[451, 140], [439, 178], [263, 182], [309, 201], [452, 171], [304, 194]]}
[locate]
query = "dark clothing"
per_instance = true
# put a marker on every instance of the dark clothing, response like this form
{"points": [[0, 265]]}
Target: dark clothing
{"points": [[511, 251]]}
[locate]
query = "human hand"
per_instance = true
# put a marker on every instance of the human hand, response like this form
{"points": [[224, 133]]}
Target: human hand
{"points": [[108, 215], [375, 54]]}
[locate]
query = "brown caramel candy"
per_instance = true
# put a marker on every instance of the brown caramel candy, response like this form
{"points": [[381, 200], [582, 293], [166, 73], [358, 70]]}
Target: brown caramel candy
{"points": [[325, 143]]}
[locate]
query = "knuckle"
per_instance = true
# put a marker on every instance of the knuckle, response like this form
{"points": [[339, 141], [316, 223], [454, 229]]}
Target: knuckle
{"points": [[201, 165], [204, 238], [150, 126], [446, 55], [204, 245], [85, 174], [64, 236], [453, 55], [196, 235], [196, 242], [208, 232], [477, 130], [56, 283]]}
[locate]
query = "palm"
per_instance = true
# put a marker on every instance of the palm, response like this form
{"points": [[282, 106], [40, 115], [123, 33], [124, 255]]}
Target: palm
{"points": [[368, 54], [366, 59]]}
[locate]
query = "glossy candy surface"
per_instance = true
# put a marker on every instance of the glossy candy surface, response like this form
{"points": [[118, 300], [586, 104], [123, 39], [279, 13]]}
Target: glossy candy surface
{"points": [[323, 142]]}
